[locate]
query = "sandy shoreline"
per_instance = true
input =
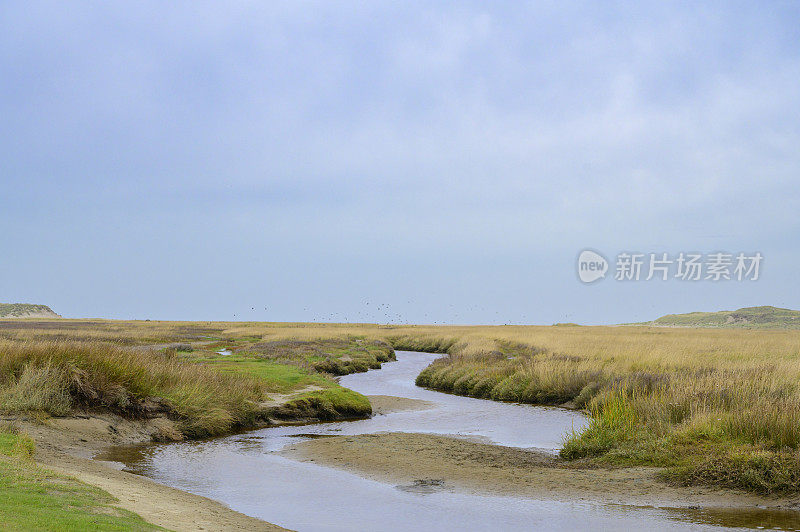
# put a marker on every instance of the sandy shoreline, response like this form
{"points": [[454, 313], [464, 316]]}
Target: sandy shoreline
{"points": [[158, 504], [426, 460], [66, 445], [386, 404]]}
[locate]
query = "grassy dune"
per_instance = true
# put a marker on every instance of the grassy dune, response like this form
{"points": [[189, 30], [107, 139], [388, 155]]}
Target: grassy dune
{"points": [[23, 310], [750, 317]]}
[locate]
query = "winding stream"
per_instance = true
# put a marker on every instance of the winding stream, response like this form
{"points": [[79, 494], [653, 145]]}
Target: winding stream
{"points": [[244, 472]]}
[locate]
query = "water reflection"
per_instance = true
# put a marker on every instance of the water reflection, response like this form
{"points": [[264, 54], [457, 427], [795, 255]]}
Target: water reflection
{"points": [[243, 472], [761, 518]]}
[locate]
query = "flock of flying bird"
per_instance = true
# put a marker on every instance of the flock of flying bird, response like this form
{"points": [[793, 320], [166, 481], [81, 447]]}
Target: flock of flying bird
{"points": [[385, 315]]}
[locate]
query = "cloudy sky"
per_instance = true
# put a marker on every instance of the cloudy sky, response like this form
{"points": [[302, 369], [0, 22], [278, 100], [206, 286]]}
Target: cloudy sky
{"points": [[404, 161]]}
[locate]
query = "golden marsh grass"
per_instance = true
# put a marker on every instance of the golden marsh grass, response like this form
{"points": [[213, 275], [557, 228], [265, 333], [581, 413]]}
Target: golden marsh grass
{"points": [[718, 406]]}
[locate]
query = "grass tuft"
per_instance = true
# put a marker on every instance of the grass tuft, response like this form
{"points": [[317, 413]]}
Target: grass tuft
{"points": [[41, 386], [52, 377]]}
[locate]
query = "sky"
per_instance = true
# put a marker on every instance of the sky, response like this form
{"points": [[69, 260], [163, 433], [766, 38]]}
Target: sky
{"points": [[421, 162]]}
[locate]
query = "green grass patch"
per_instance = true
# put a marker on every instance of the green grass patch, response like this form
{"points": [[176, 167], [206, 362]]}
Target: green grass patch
{"points": [[32, 498], [278, 377], [16, 445], [328, 403], [332, 403]]}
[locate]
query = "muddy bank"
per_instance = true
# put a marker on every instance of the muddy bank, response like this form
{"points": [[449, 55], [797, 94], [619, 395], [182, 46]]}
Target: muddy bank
{"points": [[387, 404], [65, 445], [427, 461], [312, 409], [84, 435]]}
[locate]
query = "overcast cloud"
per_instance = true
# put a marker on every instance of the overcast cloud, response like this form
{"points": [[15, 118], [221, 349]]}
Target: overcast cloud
{"points": [[298, 160]]}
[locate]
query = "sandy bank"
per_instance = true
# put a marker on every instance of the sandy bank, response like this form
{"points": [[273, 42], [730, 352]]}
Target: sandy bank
{"points": [[167, 507], [65, 446], [437, 462], [386, 404]]}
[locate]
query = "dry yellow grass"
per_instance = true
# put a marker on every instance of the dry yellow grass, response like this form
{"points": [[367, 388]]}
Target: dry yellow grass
{"points": [[717, 405]]}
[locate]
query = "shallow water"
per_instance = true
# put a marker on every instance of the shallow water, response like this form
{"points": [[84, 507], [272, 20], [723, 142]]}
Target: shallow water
{"points": [[243, 472]]}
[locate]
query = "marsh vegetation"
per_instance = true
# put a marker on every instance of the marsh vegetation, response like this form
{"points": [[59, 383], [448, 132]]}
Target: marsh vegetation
{"points": [[714, 407]]}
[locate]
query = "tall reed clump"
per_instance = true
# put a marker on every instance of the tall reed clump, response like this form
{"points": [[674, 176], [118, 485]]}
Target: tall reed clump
{"points": [[44, 388], [613, 419], [55, 377]]}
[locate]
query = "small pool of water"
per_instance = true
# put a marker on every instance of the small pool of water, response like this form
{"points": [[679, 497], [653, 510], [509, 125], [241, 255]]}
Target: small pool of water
{"points": [[243, 472]]}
